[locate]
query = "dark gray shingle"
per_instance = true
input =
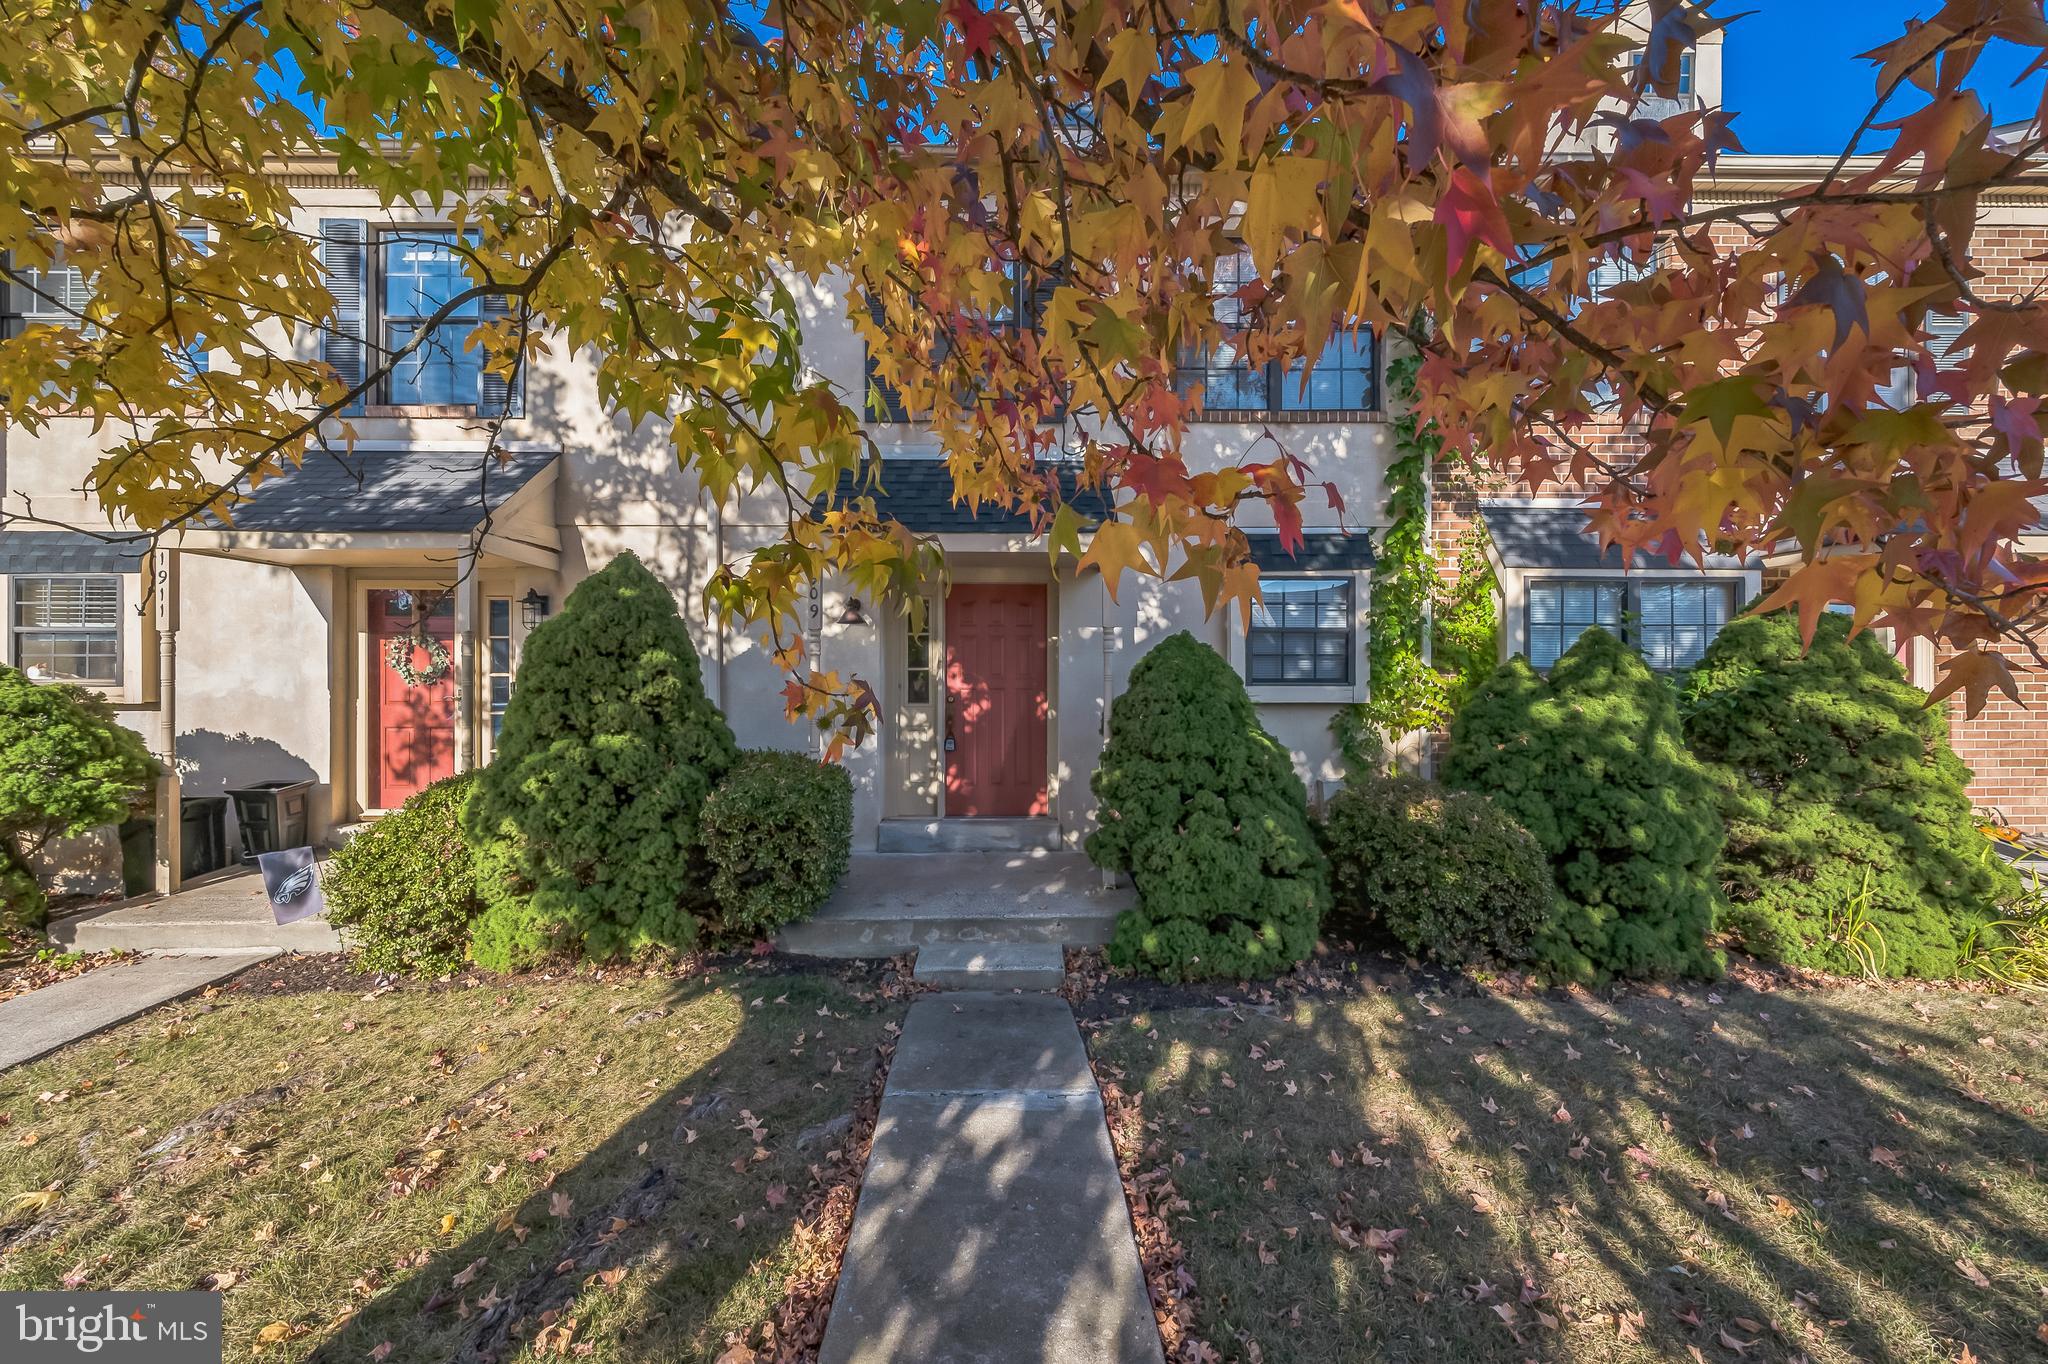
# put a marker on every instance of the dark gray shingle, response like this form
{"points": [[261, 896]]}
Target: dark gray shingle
{"points": [[422, 491], [66, 551], [1321, 552], [1556, 537], [918, 494]]}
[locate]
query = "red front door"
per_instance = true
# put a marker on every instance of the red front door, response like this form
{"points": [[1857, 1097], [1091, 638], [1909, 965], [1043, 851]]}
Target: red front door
{"points": [[412, 725], [995, 700]]}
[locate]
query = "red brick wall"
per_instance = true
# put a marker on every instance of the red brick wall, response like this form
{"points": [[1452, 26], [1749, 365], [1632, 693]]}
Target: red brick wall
{"points": [[2006, 746]]}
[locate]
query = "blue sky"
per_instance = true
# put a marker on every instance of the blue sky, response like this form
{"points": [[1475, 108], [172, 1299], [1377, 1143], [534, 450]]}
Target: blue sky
{"points": [[1791, 71]]}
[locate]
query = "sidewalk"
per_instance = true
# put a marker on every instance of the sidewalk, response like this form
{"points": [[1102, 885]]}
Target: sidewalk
{"points": [[992, 1223], [41, 1021]]}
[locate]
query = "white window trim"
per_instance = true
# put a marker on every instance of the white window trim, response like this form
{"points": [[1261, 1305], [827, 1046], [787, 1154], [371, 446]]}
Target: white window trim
{"points": [[1284, 694], [126, 689], [1515, 584]]}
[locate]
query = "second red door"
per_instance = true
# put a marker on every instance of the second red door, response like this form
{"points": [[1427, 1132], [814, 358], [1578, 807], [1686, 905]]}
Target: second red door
{"points": [[995, 700], [414, 723]]}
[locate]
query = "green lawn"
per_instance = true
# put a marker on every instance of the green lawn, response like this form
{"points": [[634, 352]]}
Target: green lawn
{"points": [[1848, 1174], [453, 1171]]}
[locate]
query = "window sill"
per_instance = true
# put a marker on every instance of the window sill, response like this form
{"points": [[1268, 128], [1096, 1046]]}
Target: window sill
{"points": [[1276, 694], [466, 411], [1254, 417]]}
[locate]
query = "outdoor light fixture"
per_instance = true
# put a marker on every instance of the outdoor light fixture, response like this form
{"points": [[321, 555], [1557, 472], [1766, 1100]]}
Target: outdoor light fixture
{"points": [[533, 608], [852, 615]]}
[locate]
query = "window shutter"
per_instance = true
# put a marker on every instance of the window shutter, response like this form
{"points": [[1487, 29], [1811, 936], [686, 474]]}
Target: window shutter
{"points": [[500, 395], [884, 401], [1944, 344], [196, 353], [1035, 304], [344, 256]]}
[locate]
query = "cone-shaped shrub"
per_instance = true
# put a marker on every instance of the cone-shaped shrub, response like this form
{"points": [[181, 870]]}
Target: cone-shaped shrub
{"points": [[66, 765], [1851, 845], [1591, 761], [1203, 809], [585, 825]]}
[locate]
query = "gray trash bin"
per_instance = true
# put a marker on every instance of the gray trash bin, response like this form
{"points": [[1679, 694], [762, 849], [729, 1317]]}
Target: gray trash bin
{"points": [[272, 815]]}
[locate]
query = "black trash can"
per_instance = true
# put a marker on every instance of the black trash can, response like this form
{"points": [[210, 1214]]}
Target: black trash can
{"points": [[138, 855], [272, 815], [202, 835]]}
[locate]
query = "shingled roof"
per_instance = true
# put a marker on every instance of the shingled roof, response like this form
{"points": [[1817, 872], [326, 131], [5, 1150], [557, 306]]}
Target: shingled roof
{"points": [[918, 494], [34, 552], [1556, 537], [385, 491]]}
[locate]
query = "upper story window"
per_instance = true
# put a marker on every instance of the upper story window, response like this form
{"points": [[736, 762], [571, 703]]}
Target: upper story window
{"points": [[1685, 70], [1670, 621], [420, 270], [1344, 378], [51, 295], [1023, 300], [68, 628], [1301, 633]]}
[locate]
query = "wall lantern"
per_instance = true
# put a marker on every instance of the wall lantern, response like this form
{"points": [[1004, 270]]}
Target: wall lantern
{"points": [[533, 608], [852, 615]]}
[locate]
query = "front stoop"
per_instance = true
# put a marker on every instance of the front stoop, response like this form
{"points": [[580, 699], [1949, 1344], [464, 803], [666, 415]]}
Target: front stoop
{"points": [[967, 835], [889, 903], [230, 914], [991, 966]]}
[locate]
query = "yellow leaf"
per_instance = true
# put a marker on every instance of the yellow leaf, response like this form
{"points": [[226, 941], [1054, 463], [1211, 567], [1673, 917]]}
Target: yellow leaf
{"points": [[273, 1333], [447, 1223], [36, 1201], [1285, 196], [1221, 92]]}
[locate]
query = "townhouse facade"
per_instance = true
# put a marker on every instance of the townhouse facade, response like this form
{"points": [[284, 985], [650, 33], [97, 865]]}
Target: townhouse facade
{"points": [[281, 647], [285, 646]]}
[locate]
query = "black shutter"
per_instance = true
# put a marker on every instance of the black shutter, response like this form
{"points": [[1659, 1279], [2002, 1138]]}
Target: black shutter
{"points": [[1037, 302], [345, 257], [500, 395], [884, 400]]}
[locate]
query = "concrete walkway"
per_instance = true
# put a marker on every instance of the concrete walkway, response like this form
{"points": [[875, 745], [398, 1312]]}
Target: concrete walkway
{"points": [[992, 1223], [41, 1021]]}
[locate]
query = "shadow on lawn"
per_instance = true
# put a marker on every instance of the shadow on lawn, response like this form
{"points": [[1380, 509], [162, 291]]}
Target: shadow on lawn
{"points": [[640, 1205], [1606, 1167]]}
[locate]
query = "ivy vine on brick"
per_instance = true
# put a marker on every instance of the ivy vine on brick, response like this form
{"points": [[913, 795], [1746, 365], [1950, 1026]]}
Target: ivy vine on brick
{"points": [[1413, 687]]}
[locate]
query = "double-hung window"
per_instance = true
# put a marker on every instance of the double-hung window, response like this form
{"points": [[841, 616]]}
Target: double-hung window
{"points": [[421, 270], [1669, 621], [1344, 378], [68, 628], [1301, 634]]}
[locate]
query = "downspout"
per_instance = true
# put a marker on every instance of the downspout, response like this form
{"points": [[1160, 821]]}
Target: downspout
{"points": [[169, 814], [718, 625], [1425, 763]]}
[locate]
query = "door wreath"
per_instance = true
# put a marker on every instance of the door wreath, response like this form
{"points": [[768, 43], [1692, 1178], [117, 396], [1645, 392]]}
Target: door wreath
{"points": [[398, 654]]}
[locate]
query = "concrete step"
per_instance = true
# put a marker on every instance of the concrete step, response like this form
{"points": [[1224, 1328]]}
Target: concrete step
{"points": [[966, 835], [891, 903], [991, 966], [229, 914]]}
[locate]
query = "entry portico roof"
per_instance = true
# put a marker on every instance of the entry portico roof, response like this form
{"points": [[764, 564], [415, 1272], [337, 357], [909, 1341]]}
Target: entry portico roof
{"points": [[918, 495], [381, 505]]}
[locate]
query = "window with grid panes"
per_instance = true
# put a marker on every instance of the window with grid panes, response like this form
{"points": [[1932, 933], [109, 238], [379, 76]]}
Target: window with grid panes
{"points": [[1676, 621], [68, 629], [1301, 633], [1345, 377], [1561, 610], [498, 661], [421, 269]]}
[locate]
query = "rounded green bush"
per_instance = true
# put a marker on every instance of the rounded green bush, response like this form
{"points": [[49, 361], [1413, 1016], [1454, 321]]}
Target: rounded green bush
{"points": [[66, 766], [1203, 808], [778, 831], [403, 891], [1449, 874], [1851, 842], [1591, 762], [585, 825]]}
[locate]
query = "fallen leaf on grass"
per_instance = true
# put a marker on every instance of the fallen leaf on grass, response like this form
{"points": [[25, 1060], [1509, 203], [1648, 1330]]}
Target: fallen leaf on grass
{"points": [[1885, 1156], [382, 1352], [1969, 1270], [36, 1201], [559, 1204]]}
